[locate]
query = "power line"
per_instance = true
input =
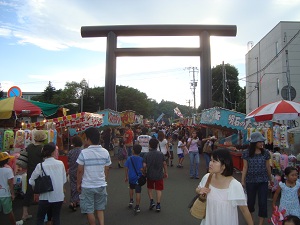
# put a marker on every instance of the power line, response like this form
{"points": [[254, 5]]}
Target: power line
{"points": [[272, 60]]}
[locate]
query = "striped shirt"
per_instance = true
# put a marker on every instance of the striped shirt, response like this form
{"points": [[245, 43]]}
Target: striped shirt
{"points": [[94, 159]]}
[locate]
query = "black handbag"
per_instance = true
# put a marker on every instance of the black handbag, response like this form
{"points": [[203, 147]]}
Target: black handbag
{"points": [[141, 179], [43, 183]]}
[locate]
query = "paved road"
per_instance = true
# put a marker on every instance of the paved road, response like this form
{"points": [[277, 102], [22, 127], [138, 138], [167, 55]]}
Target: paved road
{"points": [[179, 190]]}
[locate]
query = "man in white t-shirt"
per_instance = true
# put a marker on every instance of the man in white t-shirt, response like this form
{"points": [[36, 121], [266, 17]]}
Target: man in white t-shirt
{"points": [[143, 140], [93, 165]]}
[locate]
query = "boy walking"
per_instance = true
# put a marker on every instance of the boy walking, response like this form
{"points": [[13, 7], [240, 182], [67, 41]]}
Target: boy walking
{"points": [[155, 167], [133, 170], [7, 194], [93, 166]]}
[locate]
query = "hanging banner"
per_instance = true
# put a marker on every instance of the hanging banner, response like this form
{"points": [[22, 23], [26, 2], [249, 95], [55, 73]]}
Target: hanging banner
{"points": [[79, 121], [177, 112], [160, 117], [110, 117], [127, 117]]}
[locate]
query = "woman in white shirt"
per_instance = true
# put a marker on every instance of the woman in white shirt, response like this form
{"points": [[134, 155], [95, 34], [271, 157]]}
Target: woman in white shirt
{"points": [[50, 201], [163, 145], [192, 145], [224, 194]]}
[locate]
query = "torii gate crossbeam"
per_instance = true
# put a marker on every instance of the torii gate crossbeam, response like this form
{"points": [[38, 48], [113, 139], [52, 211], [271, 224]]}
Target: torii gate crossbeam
{"points": [[203, 31]]}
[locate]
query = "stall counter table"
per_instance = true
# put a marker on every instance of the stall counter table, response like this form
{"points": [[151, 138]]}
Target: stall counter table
{"points": [[237, 160]]}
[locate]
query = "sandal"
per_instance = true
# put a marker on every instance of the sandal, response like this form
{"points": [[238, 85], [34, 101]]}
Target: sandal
{"points": [[72, 206], [26, 218]]}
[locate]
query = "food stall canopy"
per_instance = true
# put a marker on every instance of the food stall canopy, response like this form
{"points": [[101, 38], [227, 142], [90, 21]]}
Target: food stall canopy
{"points": [[110, 118], [47, 109], [19, 106], [78, 121], [223, 117]]}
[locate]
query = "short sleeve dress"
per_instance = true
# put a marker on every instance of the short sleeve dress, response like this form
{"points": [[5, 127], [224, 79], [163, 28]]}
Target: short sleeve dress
{"points": [[289, 199], [222, 204]]}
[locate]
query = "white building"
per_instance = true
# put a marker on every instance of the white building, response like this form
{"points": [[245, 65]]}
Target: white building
{"points": [[26, 95], [271, 64]]}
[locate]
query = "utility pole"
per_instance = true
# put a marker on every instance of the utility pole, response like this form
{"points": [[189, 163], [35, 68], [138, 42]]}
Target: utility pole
{"points": [[257, 81], [288, 75], [189, 101], [193, 83], [224, 82]]}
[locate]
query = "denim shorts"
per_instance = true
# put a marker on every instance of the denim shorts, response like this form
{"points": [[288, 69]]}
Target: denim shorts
{"points": [[6, 205], [92, 199]]}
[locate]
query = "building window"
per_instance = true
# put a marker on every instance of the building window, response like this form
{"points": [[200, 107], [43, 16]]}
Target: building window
{"points": [[276, 48], [278, 86]]}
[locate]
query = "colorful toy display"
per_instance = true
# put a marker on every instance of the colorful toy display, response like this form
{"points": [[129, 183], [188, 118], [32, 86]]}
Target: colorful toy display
{"points": [[8, 140], [19, 140]]}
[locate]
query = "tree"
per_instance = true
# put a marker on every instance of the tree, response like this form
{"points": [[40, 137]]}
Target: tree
{"points": [[133, 99], [233, 92], [127, 99], [47, 95]]}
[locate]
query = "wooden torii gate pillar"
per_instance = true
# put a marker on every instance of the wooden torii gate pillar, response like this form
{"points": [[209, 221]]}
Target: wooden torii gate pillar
{"points": [[203, 31]]}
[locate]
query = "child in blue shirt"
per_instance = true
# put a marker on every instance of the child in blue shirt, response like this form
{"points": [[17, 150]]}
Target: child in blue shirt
{"points": [[132, 175]]}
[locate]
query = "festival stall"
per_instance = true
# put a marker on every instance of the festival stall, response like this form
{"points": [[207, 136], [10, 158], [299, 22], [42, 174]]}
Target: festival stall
{"points": [[68, 126], [127, 117], [229, 127], [110, 118]]}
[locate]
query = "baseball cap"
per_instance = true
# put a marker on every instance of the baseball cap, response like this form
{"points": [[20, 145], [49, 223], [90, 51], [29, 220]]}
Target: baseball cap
{"points": [[4, 156]]}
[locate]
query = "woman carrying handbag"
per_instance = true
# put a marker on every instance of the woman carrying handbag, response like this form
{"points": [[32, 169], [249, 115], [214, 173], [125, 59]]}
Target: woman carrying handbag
{"points": [[52, 200], [224, 193]]}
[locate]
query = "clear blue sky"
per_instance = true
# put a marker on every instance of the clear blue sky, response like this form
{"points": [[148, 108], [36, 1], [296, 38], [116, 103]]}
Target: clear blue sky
{"points": [[40, 41]]}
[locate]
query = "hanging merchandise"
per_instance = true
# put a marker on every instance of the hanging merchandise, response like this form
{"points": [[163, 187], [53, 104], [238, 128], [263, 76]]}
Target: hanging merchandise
{"points": [[8, 141], [291, 138], [292, 160], [52, 136], [28, 137], [52, 133], [284, 161], [276, 160], [283, 137], [269, 135], [19, 140], [1, 139], [276, 136]]}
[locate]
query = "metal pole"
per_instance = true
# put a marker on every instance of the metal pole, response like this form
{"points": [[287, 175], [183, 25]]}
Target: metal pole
{"points": [[194, 87], [81, 104], [257, 81], [223, 74], [288, 75]]}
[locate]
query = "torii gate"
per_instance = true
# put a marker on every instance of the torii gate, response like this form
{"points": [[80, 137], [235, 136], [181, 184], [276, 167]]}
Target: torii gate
{"points": [[203, 31]]}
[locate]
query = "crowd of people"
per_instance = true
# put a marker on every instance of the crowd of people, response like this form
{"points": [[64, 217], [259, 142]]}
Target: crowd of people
{"points": [[149, 152]]}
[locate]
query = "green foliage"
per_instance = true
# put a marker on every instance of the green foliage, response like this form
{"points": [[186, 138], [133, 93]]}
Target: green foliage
{"points": [[48, 94], [92, 99], [234, 94]]}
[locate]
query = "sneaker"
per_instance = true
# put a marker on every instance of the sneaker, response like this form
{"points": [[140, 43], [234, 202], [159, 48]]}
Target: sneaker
{"points": [[152, 204], [137, 209], [158, 208], [20, 222], [130, 204]]}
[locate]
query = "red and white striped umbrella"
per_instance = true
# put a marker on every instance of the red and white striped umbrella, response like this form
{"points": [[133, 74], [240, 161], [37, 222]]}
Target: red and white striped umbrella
{"points": [[281, 110]]}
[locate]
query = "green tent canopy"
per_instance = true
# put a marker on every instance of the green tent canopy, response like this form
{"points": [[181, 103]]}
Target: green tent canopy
{"points": [[47, 109]]}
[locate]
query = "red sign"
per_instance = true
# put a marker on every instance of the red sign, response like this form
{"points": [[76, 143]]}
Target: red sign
{"points": [[14, 91]]}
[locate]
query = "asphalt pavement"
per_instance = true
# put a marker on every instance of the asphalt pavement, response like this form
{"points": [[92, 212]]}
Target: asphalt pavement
{"points": [[179, 190]]}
